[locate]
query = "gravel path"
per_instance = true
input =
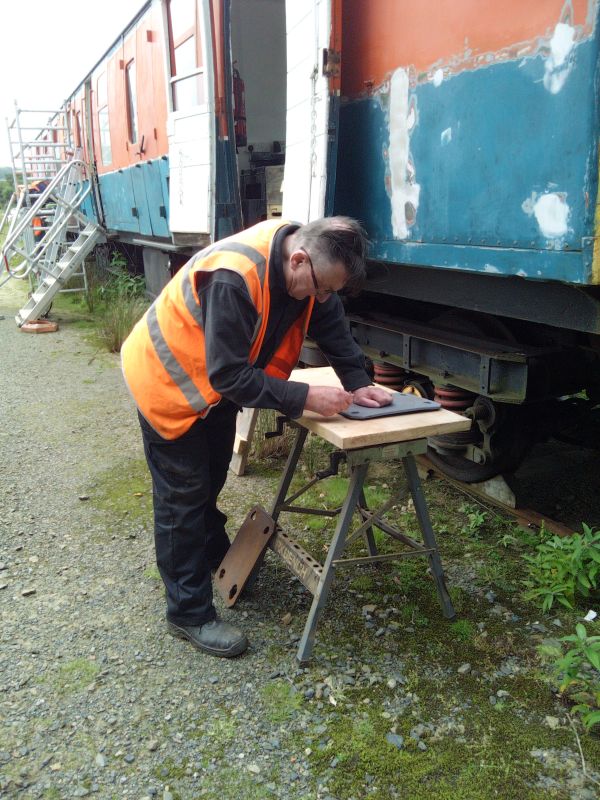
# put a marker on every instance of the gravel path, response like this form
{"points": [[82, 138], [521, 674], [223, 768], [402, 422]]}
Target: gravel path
{"points": [[94, 697], [96, 700]]}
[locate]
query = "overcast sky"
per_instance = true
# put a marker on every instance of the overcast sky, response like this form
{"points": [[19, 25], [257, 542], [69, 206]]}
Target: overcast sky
{"points": [[48, 46]]}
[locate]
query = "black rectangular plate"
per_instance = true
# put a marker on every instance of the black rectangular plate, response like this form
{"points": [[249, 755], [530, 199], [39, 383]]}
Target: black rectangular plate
{"points": [[401, 404]]}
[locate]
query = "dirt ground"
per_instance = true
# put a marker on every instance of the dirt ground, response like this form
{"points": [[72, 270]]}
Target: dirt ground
{"points": [[96, 700]]}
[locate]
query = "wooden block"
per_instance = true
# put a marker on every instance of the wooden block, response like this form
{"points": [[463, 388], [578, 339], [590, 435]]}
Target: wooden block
{"points": [[247, 547], [246, 422]]}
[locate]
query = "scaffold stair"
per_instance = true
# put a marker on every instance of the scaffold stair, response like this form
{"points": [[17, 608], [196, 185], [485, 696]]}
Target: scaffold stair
{"points": [[56, 277]]}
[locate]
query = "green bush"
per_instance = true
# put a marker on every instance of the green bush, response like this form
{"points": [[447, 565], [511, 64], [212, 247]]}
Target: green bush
{"points": [[577, 672], [564, 569]]}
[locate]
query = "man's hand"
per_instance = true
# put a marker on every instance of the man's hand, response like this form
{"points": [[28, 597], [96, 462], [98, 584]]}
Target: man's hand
{"points": [[327, 400], [372, 396]]}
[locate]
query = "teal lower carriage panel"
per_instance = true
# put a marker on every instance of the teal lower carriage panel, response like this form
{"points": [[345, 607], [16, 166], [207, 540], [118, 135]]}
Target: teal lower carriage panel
{"points": [[157, 195], [542, 265], [88, 207], [486, 170], [139, 178], [118, 201], [136, 200]]}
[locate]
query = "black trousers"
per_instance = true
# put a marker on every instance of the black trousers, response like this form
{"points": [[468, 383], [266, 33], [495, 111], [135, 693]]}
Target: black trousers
{"points": [[189, 530]]}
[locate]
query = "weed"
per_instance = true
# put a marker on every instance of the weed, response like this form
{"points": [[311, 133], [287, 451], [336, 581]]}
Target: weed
{"points": [[564, 569], [463, 630], [577, 672], [475, 519], [362, 583]]}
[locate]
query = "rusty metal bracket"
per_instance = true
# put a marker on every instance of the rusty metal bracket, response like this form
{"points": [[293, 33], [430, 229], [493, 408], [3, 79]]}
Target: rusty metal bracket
{"points": [[246, 549]]}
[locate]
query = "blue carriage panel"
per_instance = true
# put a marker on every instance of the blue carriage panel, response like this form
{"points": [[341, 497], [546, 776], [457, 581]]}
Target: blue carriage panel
{"points": [[138, 181], [87, 207], [501, 161], [157, 206], [118, 201], [447, 173], [163, 170]]}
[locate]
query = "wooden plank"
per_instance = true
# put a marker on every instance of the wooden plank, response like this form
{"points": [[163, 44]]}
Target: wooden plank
{"points": [[246, 422], [349, 434]]}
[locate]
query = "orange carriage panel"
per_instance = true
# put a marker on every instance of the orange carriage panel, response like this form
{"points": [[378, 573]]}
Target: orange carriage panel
{"points": [[151, 101], [382, 35], [129, 102], [159, 78]]}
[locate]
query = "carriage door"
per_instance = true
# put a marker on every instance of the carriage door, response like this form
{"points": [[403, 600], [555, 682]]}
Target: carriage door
{"points": [[191, 120], [313, 90]]}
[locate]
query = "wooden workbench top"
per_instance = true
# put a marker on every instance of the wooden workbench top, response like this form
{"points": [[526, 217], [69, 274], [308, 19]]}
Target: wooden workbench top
{"points": [[350, 434]]}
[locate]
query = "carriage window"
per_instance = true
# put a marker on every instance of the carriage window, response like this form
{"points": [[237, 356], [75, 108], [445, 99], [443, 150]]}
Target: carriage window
{"points": [[131, 101], [103, 120], [187, 79], [103, 126]]}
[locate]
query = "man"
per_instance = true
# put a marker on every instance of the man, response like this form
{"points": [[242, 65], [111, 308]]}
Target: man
{"points": [[224, 333]]}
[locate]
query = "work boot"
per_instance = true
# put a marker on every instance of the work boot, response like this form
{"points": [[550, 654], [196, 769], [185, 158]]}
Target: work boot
{"points": [[216, 638]]}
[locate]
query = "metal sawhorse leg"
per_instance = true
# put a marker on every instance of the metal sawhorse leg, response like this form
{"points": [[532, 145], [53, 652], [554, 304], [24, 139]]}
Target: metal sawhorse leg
{"points": [[318, 578]]}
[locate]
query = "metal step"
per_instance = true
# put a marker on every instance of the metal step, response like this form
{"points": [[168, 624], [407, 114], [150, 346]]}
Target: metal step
{"points": [[41, 300]]}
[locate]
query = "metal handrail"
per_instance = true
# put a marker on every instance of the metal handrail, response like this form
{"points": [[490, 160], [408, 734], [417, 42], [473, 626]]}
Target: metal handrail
{"points": [[44, 197], [64, 208], [7, 211]]}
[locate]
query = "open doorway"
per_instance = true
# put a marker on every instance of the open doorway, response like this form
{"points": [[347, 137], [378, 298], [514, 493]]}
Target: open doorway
{"points": [[258, 46]]}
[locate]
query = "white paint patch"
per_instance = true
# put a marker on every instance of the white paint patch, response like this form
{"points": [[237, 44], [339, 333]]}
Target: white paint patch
{"points": [[490, 268], [446, 136], [558, 65], [438, 77], [404, 190], [551, 213]]}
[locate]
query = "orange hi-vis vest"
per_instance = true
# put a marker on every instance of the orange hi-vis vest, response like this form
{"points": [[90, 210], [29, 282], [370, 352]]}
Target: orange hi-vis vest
{"points": [[164, 356]]}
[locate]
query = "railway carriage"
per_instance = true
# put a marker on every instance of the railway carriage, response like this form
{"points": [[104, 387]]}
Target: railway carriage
{"points": [[462, 133]]}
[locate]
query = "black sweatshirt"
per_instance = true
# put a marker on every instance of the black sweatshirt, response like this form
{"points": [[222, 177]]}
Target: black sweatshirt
{"points": [[229, 319]]}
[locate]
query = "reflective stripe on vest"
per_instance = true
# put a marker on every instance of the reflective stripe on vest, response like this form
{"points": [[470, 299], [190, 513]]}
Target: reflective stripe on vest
{"points": [[164, 359]]}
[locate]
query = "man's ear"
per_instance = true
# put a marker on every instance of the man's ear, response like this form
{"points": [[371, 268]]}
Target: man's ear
{"points": [[297, 258]]}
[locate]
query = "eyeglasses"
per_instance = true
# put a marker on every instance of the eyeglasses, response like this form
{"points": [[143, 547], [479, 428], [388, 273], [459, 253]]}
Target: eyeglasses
{"points": [[318, 291]]}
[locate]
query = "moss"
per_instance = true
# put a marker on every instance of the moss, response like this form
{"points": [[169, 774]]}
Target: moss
{"points": [[125, 489], [72, 676], [232, 783], [170, 769], [152, 573], [489, 759], [281, 701]]}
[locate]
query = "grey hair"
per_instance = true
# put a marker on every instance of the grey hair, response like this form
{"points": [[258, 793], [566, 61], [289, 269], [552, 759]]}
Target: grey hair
{"points": [[334, 239]]}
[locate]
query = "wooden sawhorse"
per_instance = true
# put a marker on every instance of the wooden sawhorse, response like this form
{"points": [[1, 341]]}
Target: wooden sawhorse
{"points": [[317, 578], [359, 444]]}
